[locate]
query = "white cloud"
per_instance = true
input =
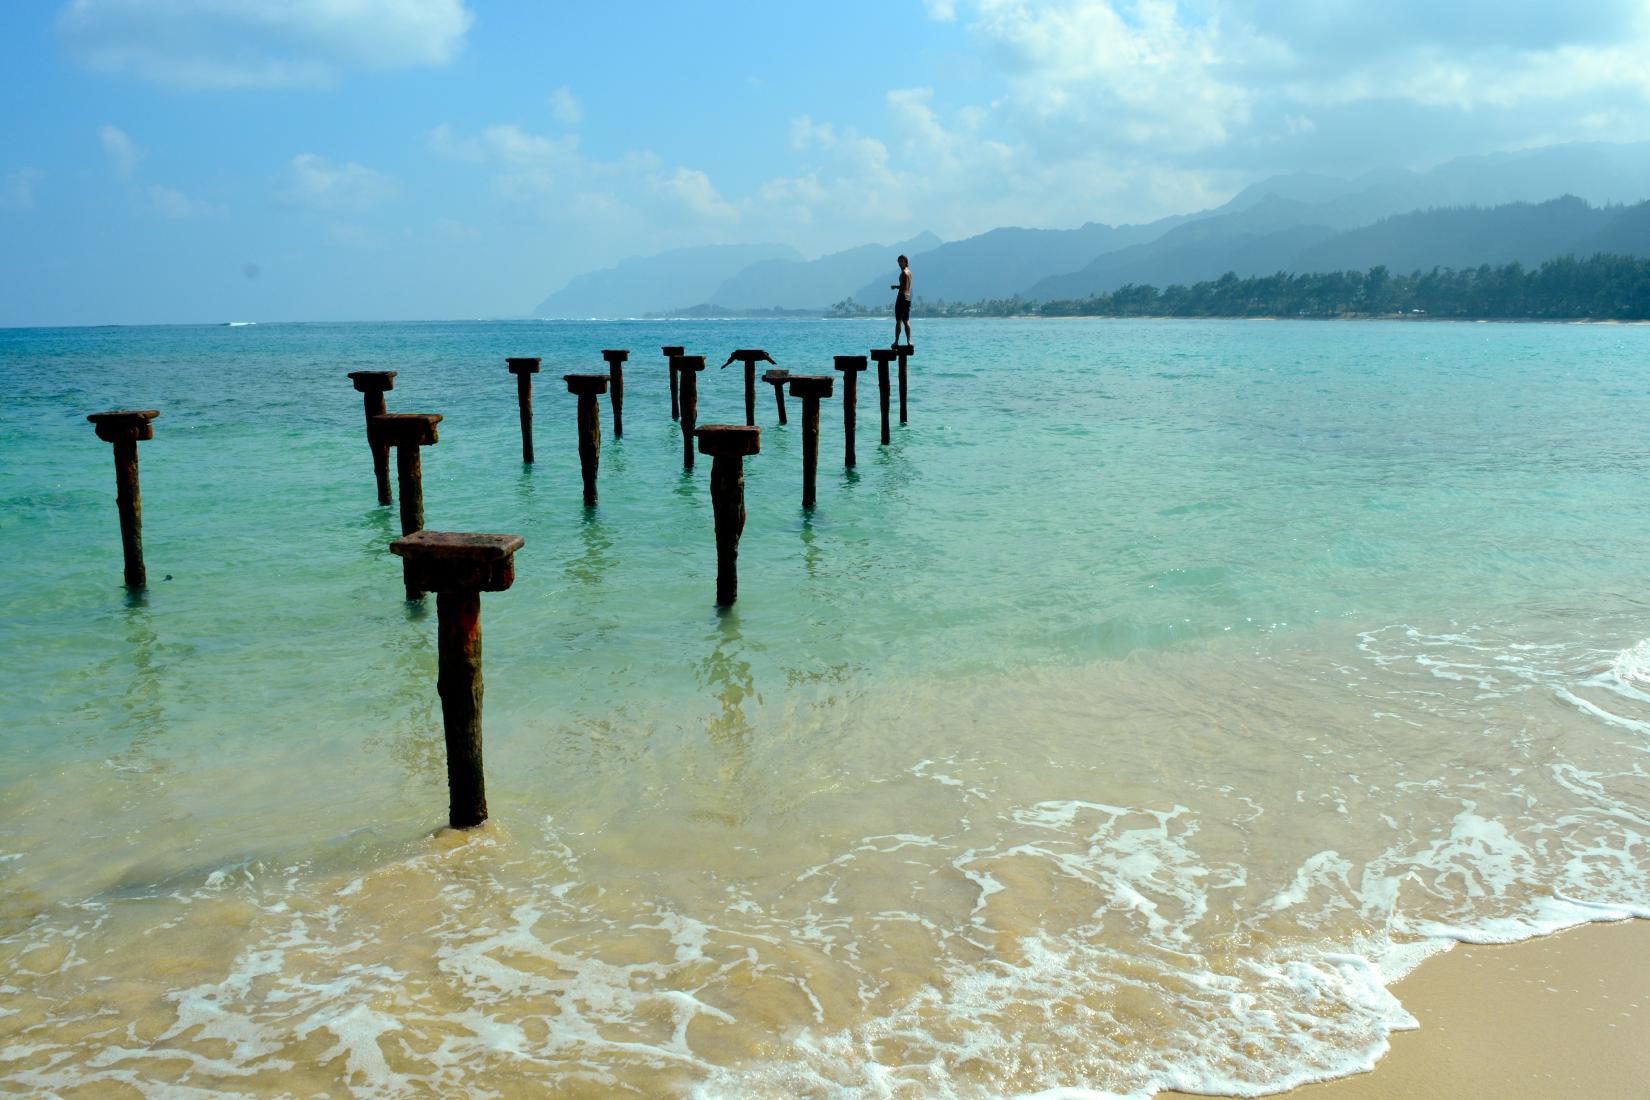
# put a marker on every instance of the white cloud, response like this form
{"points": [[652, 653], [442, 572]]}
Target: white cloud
{"points": [[317, 183], [565, 107], [121, 150], [172, 203], [17, 192], [260, 43], [694, 191]]}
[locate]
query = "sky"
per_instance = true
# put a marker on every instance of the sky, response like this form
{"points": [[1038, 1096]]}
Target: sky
{"points": [[171, 161]]}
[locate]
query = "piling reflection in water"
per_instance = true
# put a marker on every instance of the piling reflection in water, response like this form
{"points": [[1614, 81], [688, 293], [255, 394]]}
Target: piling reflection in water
{"points": [[726, 674], [591, 565]]}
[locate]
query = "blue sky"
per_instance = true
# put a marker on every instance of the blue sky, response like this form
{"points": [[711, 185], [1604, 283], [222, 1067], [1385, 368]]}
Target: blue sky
{"points": [[202, 160]]}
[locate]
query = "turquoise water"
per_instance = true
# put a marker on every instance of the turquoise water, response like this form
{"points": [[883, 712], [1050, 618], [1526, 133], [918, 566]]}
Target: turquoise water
{"points": [[1187, 665]]}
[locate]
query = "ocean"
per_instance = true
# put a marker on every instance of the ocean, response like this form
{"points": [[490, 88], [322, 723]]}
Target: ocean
{"points": [[1161, 693]]}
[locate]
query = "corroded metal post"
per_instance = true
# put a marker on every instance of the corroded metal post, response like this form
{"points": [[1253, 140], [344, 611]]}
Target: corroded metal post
{"points": [[750, 357], [407, 433], [586, 387], [126, 428], [810, 388], [850, 366], [371, 384], [524, 369], [905, 352], [671, 352], [458, 568], [776, 379], [686, 369], [615, 370], [728, 444], [882, 357]]}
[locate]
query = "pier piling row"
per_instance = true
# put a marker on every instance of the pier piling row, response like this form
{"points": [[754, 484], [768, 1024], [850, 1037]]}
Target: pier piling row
{"points": [[776, 379], [905, 352], [372, 384], [524, 369], [458, 567], [883, 356], [408, 433], [750, 357], [586, 387], [728, 444], [125, 429], [687, 368], [810, 388], [672, 352], [850, 366], [615, 370]]}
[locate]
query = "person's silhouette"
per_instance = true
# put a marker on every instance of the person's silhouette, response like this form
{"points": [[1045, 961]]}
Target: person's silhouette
{"points": [[902, 303]]}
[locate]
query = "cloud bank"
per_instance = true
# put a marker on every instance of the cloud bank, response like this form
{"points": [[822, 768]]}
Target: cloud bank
{"points": [[201, 44]]}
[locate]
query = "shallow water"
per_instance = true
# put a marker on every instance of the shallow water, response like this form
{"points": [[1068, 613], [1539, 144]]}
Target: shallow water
{"points": [[1159, 694]]}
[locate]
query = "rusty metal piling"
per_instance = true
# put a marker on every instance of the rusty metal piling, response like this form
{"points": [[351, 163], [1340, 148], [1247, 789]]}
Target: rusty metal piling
{"points": [[408, 433], [750, 357], [905, 352], [850, 366], [586, 387], [372, 384], [672, 352], [883, 356], [125, 429], [728, 444], [776, 379], [687, 368], [524, 369], [458, 567], [810, 388], [615, 370]]}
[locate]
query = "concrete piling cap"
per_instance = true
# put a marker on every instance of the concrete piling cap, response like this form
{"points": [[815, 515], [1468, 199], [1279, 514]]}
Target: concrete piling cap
{"points": [[407, 429], [373, 381], [729, 439], [124, 424], [586, 383], [811, 385]]}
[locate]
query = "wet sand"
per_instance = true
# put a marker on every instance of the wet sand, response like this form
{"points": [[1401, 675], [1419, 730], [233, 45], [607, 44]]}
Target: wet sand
{"points": [[1565, 1015]]}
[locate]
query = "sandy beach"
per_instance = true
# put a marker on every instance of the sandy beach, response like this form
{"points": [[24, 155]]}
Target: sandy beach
{"points": [[1566, 1015]]}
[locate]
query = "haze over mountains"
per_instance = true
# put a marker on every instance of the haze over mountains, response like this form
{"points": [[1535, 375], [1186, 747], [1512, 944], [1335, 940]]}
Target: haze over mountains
{"points": [[1529, 205]]}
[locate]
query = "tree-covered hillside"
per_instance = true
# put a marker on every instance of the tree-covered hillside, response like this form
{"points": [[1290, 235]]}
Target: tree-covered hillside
{"points": [[1603, 287]]}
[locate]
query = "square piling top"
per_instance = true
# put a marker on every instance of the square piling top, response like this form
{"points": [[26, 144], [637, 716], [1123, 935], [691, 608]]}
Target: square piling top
{"points": [[373, 381], [884, 355], [119, 424], [849, 363], [459, 561], [811, 385], [406, 429], [776, 376], [523, 365], [728, 439], [615, 355], [906, 349], [687, 362], [582, 384], [671, 351]]}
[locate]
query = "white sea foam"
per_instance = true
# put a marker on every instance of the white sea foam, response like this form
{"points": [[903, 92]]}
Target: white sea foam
{"points": [[985, 930]]}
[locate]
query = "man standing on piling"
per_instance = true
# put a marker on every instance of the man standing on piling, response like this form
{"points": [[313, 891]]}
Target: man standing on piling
{"points": [[902, 303]]}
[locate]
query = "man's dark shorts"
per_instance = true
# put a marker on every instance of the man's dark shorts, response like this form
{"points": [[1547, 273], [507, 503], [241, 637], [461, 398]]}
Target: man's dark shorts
{"points": [[902, 309]]}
